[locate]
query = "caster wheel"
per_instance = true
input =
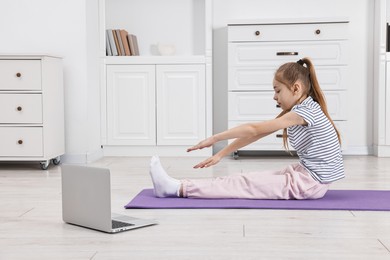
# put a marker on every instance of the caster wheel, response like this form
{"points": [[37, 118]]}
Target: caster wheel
{"points": [[45, 164], [56, 160]]}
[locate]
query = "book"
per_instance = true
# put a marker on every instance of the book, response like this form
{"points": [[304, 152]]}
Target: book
{"points": [[116, 43], [125, 42], [112, 42], [133, 44], [120, 43], [108, 47]]}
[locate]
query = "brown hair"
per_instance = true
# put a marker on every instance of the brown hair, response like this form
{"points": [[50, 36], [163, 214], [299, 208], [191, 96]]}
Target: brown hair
{"points": [[291, 72]]}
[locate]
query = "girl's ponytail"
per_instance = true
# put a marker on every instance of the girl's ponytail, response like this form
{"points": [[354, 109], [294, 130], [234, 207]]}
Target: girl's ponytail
{"points": [[317, 94]]}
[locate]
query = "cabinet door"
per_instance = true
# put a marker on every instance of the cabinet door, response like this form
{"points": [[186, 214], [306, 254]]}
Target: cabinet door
{"points": [[131, 105], [181, 106]]}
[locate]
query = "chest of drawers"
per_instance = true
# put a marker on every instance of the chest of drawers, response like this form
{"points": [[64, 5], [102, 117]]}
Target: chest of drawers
{"points": [[32, 109], [256, 50]]}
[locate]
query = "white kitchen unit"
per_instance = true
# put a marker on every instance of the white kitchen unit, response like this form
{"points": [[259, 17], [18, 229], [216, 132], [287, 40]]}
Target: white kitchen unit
{"points": [[157, 103], [257, 48], [32, 105], [152, 105]]}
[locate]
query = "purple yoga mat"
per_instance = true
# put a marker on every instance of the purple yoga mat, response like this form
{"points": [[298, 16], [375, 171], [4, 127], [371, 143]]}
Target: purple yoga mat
{"points": [[333, 200]]}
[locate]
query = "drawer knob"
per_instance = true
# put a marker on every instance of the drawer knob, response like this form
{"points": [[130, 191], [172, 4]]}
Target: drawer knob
{"points": [[18, 74], [257, 33], [20, 141], [19, 108], [318, 31]]}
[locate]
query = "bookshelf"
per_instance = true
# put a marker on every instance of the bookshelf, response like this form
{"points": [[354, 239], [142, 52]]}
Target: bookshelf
{"points": [[183, 24]]}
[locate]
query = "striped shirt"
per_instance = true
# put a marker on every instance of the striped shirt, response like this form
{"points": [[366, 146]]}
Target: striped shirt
{"points": [[316, 143]]}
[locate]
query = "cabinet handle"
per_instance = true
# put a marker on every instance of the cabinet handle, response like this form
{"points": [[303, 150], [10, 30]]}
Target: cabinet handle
{"points": [[318, 31], [20, 141], [18, 74], [287, 53], [279, 136], [278, 106], [257, 33], [19, 108]]}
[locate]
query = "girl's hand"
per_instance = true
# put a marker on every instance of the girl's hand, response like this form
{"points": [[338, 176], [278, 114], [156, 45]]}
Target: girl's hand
{"points": [[209, 162], [203, 144]]}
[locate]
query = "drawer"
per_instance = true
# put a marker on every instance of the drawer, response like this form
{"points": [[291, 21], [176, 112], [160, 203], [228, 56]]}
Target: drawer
{"points": [[288, 32], [20, 108], [254, 106], [259, 54], [337, 106], [20, 75], [21, 141], [251, 78], [342, 128], [258, 78]]}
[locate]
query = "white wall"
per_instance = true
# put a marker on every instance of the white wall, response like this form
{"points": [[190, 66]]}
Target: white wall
{"points": [[59, 28], [360, 89], [70, 29], [93, 150]]}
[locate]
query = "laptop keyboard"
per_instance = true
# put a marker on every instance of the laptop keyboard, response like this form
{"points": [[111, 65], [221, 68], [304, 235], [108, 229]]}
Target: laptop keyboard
{"points": [[118, 224]]}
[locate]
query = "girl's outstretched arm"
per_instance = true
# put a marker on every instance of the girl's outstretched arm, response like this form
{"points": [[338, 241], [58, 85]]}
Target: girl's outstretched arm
{"points": [[245, 134], [234, 146], [242, 132], [250, 130]]}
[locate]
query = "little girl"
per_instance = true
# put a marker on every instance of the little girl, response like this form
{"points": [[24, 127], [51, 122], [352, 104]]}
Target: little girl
{"points": [[309, 129]]}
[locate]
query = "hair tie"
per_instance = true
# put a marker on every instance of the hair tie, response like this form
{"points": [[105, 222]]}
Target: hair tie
{"points": [[301, 62]]}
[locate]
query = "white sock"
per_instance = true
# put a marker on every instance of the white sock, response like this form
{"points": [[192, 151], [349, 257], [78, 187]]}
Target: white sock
{"points": [[164, 185]]}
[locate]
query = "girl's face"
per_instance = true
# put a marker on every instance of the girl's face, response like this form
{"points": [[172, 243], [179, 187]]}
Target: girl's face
{"points": [[285, 97]]}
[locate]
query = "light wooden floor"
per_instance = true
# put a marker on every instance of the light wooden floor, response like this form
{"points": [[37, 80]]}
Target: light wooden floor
{"points": [[31, 225]]}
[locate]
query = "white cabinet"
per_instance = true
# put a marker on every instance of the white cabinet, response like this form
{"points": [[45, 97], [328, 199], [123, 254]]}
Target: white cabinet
{"points": [[156, 105], [32, 105], [257, 49]]}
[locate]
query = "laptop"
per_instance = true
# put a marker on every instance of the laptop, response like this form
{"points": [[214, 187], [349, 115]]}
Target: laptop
{"points": [[86, 201]]}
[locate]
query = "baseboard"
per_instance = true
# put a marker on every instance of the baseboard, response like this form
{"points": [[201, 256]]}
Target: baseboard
{"points": [[382, 150], [358, 150], [82, 158]]}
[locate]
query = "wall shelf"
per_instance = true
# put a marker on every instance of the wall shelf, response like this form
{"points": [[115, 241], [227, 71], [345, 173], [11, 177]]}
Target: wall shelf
{"points": [[155, 59]]}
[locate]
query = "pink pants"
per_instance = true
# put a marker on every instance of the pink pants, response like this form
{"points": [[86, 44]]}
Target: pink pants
{"points": [[293, 182]]}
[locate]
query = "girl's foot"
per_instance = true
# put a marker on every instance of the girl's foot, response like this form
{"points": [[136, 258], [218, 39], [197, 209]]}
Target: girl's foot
{"points": [[164, 185]]}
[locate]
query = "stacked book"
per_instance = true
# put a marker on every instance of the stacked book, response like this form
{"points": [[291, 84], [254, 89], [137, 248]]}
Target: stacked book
{"points": [[120, 43]]}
